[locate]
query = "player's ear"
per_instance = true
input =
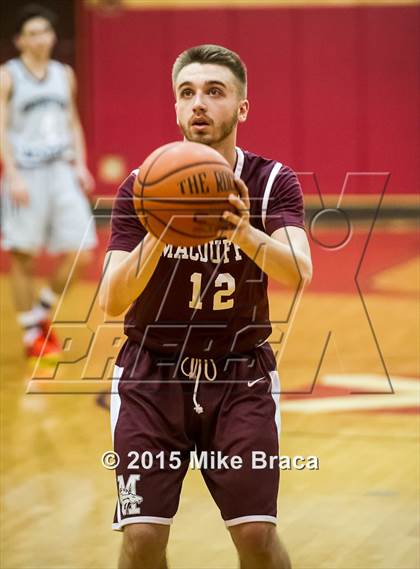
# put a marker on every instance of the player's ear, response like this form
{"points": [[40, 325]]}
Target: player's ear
{"points": [[17, 42], [176, 112], [243, 110]]}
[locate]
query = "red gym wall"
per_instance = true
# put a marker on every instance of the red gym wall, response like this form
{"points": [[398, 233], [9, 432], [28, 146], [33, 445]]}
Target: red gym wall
{"points": [[332, 89]]}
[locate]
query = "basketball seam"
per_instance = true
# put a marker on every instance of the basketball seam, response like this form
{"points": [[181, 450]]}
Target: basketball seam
{"points": [[211, 236], [206, 201], [185, 167], [145, 177]]}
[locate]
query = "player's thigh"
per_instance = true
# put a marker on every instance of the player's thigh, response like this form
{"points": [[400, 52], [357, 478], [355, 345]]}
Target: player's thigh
{"points": [[150, 439], [247, 427], [24, 227], [72, 221]]}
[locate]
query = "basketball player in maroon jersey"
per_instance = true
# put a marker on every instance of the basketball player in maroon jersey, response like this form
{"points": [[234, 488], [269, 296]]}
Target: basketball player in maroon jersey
{"points": [[196, 372]]}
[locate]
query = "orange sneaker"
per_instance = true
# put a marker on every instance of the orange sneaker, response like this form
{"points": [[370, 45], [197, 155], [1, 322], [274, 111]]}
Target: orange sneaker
{"points": [[42, 350], [51, 336]]}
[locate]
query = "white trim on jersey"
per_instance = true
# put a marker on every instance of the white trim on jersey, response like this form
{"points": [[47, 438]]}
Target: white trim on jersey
{"points": [[275, 170], [135, 171], [115, 399], [239, 162], [247, 519]]}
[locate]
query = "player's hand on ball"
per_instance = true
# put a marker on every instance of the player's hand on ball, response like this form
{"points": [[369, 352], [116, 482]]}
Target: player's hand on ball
{"points": [[240, 219]]}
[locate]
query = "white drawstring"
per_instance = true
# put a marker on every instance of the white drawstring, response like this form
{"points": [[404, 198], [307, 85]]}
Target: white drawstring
{"points": [[196, 367]]}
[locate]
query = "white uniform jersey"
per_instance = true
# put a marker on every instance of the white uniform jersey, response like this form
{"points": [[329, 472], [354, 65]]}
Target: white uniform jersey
{"points": [[39, 115]]}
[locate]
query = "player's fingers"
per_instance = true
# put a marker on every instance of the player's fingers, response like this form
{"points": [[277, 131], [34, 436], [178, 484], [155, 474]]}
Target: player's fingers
{"points": [[207, 221], [232, 218], [88, 184], [86, 180], [20, 198], [242, 190], [226, 232], [91, 182], [238, 203], [240, 185]]}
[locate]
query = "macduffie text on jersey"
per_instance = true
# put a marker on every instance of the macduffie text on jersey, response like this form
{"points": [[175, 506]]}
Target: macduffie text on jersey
{"points": [[209, 300]]}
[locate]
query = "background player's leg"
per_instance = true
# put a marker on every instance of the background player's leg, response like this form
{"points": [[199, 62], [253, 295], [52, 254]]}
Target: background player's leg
{"points": [[258, 545], [24, 230], [72, 233], [21, 275], [65, 273], [22, 284], [144, 547]]}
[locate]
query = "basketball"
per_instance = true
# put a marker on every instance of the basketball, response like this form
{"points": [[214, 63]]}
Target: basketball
{"points": [[181, 191]]}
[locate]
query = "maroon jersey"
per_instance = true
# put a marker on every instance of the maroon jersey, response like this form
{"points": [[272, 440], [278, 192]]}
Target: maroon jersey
{"points": [[209, 300]]}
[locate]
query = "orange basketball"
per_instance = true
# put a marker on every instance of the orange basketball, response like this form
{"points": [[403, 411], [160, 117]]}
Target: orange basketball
{"points": [[181, 192]]}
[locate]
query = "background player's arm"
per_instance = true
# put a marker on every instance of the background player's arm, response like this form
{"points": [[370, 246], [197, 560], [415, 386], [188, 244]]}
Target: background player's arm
{"points": [[125, 275], [16, 184], [284, 256], [84, 176]]}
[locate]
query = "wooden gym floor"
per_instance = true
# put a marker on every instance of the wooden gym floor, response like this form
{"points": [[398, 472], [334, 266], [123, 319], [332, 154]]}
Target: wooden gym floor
{"points": [[360, 510]]}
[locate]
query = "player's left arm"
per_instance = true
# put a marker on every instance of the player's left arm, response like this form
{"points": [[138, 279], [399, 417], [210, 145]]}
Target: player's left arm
{"points": [[84, 176], [284, 256]]}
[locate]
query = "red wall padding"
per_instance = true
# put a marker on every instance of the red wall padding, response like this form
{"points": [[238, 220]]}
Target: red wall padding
{"points": [[332, 90]]}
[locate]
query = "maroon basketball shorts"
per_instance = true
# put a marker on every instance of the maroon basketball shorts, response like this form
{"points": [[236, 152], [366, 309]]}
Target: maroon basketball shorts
{"points": [[219, 416]]}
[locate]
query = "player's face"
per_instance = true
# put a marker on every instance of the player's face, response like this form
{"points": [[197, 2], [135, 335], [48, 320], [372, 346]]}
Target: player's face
{"points": [[37, 38], [208, 103]]}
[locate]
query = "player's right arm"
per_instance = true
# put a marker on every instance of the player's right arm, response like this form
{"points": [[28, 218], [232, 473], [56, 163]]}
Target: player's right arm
{"points": [[132, 255], [126, 275], [17, 187]]}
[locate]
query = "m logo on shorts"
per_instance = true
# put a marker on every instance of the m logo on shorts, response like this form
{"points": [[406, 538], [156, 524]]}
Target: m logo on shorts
{"points": [[130, 502]]}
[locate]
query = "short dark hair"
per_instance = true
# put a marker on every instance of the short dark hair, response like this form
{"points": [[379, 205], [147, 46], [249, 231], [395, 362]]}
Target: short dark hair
{"points": [[30, 11], [216, 54]]}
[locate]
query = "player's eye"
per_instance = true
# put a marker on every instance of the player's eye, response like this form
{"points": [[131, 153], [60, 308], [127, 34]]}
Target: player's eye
{"points": [[215, 91], [186, 93]]}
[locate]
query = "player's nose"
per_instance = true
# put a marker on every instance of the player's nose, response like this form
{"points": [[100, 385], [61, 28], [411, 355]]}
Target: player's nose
{"points": [[198, 103]]}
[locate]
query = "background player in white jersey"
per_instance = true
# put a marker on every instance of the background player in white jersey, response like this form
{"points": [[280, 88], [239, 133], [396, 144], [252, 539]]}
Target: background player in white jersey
{"points": [[45, 176]]}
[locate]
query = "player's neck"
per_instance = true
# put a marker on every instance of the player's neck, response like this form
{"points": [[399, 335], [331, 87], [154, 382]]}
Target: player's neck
{"points": [[228, 150], [37, 66]]}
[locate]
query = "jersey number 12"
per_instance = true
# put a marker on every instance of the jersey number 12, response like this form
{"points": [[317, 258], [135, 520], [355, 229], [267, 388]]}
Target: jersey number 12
{"points": [[221, 298]]}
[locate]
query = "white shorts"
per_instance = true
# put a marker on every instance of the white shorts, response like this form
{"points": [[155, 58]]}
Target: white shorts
{"points": [[57, 217]]}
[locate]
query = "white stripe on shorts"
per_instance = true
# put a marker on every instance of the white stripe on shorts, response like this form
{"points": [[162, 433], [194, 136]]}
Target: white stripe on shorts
{"points": [[115, 399], [275, 393], [247, 519], [142, 520], [115, 406]]}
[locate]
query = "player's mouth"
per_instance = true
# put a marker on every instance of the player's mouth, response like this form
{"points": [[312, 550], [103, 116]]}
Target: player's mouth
{"points": [[200, 123]]}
